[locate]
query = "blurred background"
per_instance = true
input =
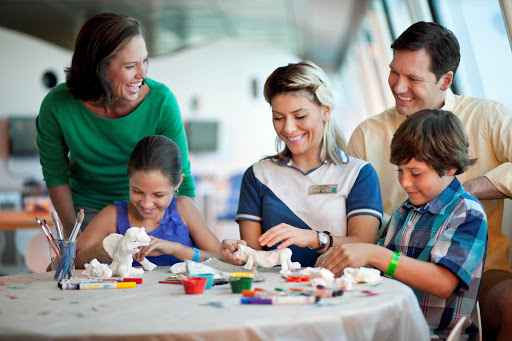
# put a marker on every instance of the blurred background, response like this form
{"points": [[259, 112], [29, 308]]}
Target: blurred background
{"points": [[215, 55]]}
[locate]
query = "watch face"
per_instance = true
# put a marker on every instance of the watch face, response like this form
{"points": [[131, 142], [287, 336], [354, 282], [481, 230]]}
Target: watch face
{"points": [[323, 238]]}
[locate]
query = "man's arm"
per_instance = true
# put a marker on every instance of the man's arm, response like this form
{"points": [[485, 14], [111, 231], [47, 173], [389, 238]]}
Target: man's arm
{"points": [[483, 189], [355, 146], [497, 127]]}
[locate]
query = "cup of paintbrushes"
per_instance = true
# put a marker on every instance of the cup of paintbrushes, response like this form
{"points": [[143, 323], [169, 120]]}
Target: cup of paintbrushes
{"points": [[63, 258]]}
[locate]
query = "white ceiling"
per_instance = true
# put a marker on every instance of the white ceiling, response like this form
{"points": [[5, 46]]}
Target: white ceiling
{"points": [[316, 30]]}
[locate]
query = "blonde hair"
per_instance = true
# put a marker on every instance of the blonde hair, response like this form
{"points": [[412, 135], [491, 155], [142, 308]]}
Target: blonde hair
{"points": [[307, 79]]}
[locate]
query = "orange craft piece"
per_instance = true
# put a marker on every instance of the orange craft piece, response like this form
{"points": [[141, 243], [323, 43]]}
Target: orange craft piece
{"points": [[298, 279]]}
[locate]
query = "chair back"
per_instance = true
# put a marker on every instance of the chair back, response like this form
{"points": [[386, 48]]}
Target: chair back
{"points": [[456, 331], [477, 319]]}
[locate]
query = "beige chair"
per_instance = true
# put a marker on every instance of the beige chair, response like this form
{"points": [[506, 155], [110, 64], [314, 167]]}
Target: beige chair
{"points": [[37, 253]]}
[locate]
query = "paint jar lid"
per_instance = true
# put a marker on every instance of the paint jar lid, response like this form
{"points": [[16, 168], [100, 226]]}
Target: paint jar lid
{"points": [[241, 274]]}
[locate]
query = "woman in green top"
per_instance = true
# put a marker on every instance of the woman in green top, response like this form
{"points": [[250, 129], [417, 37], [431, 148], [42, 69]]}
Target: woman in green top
{"points": [[87, 127]]}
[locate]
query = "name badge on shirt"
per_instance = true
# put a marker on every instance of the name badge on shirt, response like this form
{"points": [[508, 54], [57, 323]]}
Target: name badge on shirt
{"points": [[323, 189]]}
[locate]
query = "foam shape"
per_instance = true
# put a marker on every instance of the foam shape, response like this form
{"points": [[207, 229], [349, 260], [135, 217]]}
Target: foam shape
{"points": [[325, 275], [97, 269], [267, 259], [178, 268], [343, 283], [122, 248], [362, 275]]}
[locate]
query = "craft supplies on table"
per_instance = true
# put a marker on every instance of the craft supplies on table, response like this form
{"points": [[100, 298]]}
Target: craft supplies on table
{"points": [[73, 283], [194, 285], [106, 285], [36, 308], [280, 300]]}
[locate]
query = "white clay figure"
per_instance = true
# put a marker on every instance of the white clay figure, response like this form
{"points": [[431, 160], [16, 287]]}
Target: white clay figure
{"points": [[267, 259], [122, 248]]}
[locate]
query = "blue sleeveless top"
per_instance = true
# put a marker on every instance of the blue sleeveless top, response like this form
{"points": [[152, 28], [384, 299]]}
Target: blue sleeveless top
{"points": [[171, 228]]}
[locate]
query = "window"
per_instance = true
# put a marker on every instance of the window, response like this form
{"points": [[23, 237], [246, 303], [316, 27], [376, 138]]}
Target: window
{"points": [[486, 62]]}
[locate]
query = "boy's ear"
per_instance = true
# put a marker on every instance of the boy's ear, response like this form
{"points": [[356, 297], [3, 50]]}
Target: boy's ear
{"points": [[451, 171]]}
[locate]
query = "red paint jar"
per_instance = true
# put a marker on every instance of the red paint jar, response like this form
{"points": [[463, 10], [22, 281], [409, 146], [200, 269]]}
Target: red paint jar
{"points": [[194, 285]]}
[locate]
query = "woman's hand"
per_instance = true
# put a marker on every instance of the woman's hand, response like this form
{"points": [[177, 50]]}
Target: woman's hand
{"points": [[228, 248], [352, 255], [288, 235], [156, 247]]}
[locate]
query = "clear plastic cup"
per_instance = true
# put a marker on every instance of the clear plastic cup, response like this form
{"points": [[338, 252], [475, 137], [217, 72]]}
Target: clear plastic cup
{"points": [[62, 256]]}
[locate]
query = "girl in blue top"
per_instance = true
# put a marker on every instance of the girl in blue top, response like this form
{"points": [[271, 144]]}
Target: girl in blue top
{"points": [[174, 224]]}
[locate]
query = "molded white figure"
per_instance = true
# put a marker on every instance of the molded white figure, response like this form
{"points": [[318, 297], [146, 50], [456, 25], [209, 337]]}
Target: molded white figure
{"points": [[121, 248], [267, 259]]}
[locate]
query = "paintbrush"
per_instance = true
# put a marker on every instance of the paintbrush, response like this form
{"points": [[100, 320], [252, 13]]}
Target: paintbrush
{"points": [[49, 229], [56, 222], [51, 234], [55, 249], [78, 223]]}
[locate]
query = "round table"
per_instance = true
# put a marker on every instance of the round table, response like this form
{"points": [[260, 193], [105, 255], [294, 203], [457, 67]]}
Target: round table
{"points": [[32, 306]]}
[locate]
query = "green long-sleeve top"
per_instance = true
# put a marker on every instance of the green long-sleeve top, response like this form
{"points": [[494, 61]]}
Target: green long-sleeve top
{"points": [[90, 153]]}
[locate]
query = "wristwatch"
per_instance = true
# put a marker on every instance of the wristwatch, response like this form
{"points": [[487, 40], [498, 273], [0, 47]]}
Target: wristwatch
{"points": [[331, 240], [323, 239]]}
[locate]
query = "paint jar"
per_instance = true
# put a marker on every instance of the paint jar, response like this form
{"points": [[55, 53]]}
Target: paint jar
{"points": [[240, 283], [62, 257], [209, 279], [194, 285]]}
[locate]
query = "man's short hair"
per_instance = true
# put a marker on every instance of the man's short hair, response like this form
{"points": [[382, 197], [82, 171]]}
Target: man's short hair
{"points": [[436, 137], [440, 44]]}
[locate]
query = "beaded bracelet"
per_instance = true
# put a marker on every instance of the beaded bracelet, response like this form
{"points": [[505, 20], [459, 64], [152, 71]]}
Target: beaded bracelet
{"points": [[197, 254], [392, 265]]}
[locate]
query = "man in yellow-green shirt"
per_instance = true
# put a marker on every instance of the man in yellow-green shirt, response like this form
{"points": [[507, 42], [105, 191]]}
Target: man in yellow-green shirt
{"points": [[425, 59]]}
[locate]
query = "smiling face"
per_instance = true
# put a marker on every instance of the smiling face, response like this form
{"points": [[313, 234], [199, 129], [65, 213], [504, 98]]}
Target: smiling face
{"points": [[151, 193], [413, 85], [421, 182], [300, 124], [127, 70]]}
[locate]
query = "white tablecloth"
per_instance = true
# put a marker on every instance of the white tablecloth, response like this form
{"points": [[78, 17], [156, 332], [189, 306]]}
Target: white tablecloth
{"points": [[31, 306]]}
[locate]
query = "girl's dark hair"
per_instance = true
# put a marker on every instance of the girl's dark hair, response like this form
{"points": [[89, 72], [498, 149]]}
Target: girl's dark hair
{"points": [[101, 38], [156, 153], [436, 137]]}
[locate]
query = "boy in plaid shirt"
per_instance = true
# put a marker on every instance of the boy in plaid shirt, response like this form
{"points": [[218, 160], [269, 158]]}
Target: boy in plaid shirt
{"points": [[436, 240]]}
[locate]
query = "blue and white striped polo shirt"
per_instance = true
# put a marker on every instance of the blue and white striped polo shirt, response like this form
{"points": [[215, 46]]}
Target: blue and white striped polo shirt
{"points": [[276, 191]]}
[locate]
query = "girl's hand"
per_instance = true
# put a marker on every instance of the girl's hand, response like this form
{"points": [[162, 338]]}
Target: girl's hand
{"points": [[288, 235], [156, 247], [228, 248]]}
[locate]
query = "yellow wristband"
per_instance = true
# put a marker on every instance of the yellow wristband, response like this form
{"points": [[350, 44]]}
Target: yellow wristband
{"points": [[392, 265]]}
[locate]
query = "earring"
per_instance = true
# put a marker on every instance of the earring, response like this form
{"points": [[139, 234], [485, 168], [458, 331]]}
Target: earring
{"points": [[176, 191]]}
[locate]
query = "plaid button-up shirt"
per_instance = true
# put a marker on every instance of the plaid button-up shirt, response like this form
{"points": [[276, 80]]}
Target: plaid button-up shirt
{"points": [[450, 230]]}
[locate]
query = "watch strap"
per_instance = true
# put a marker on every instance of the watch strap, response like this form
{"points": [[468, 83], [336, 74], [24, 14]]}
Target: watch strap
{"points": [[331, 240], [322, 245]]}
